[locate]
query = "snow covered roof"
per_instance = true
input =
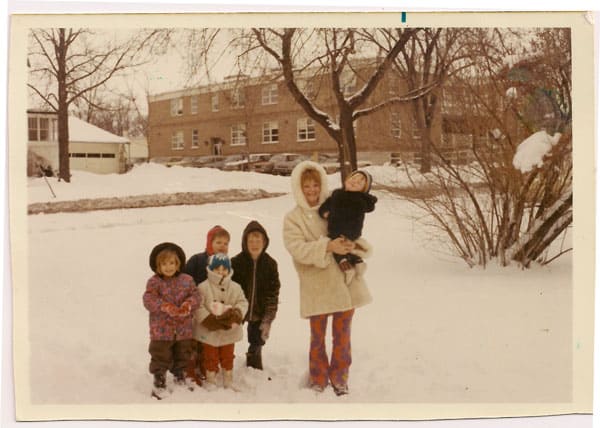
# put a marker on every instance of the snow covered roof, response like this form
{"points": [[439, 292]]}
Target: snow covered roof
{"points": [[83, 132]]}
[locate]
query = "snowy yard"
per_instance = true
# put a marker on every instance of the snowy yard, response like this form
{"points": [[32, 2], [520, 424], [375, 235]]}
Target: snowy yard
{"points": [[436, 332]]}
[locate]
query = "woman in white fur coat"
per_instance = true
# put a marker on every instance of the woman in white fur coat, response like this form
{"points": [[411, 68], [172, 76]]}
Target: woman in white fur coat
{"points": [[323, 288]]}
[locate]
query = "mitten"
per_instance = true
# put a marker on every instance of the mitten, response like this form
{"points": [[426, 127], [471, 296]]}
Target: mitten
{"points": [[170, 309], [212, 323], [185, 309], [226, 319], [236, 316], [265, 329]]}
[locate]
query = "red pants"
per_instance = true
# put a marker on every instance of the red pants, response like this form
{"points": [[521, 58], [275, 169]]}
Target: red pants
{"points": [[212, 356], [336, 371]]}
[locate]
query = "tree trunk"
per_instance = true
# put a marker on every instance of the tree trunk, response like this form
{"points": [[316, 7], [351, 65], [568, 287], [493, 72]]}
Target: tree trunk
{"points": [[533, 243], [64, 171]]}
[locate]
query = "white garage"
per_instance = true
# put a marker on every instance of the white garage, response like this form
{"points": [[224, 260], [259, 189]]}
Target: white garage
{"points": [[95, 150]]}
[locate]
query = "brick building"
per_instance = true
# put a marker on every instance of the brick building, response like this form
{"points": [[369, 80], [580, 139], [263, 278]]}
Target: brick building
{"points": [[258, 115]]}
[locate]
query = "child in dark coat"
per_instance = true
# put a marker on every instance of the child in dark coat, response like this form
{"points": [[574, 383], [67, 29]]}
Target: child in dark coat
{"points": [[345, 213], [256, 271], [217, 241], [171, 297]]}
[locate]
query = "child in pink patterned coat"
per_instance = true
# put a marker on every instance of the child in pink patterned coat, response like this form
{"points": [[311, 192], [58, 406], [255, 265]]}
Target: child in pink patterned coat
{"points": [[171, 297]]}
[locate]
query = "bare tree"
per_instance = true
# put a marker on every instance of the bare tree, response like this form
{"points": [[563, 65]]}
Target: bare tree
{"points": [[343, 60], [69, 64], [488, 209]]}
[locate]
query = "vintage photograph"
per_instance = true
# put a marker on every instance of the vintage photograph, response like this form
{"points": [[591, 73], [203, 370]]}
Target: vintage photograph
{"points": [[216, 212]]}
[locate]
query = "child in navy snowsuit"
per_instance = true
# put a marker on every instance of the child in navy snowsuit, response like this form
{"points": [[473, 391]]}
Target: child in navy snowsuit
{"points": [[345, 212]]}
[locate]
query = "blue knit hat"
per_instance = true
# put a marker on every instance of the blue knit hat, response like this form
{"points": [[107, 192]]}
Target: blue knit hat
{"points": [[219, 259]]}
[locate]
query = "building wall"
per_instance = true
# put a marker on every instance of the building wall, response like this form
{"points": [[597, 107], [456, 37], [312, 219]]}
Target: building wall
{"points": [[373, 132]]}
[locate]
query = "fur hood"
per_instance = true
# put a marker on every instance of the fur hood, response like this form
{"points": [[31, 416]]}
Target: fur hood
{"points": [[297, 186]]}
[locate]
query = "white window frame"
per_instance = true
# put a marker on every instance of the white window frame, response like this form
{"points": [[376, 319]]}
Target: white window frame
{"points": [[308, 89], [396, 124], [270, 94], [195, 139], [194, 104], [238, 100], [37, 128], [238, 134], [415, 130], [270, 134], [348, 84], [305, 129], [214, 102], [177, 107], [177, 140]]}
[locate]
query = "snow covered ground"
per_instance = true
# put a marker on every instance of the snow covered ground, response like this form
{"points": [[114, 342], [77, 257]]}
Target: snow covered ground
{"points": [[436, 332]]}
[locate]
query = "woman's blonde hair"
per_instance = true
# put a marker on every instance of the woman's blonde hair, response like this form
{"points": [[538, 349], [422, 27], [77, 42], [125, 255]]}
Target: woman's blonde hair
{"points": [[164, 255], [310, 174]]}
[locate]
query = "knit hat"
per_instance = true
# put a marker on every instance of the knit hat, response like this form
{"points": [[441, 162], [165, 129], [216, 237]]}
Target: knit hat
{"points": [[368, 178], [166, 246], [217, 260], [210, 236]]}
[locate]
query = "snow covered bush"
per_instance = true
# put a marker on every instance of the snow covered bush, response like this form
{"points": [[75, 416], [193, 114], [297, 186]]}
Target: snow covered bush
{"points": [[514, 199]]}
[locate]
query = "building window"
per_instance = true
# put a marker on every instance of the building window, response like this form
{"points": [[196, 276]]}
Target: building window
{"points": [[269, 94], [396, 125], [177, 140], [237, 98], [416, 134], [39, 128], [194, 104], [306, 129], [270, 132], [177, 107], [238, 134], [195, 139], [214, 102], [307, 87], [348, 83]]}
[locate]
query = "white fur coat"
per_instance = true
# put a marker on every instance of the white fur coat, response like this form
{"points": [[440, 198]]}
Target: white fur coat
{"points": [[323, 289]]}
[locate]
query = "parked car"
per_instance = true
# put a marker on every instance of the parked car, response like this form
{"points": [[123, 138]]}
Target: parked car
{"points": [[246, 164], [167, 160], [200, 161], [331, 164], [267, 166], [221, 162], [285, 167]]}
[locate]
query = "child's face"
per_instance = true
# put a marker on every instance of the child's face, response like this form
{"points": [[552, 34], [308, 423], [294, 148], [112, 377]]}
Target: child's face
{"points": [[220, 244], [255, 243], [355, 183], [168, 267], [221, 270]]}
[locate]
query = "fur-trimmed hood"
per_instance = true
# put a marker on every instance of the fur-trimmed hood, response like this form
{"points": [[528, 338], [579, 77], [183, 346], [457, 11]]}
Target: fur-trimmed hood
{"points": [[297, 186]]}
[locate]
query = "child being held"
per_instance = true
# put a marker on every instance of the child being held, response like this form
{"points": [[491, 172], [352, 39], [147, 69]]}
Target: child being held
{"points": [[171, 297], [345, 212], [218, 320]]}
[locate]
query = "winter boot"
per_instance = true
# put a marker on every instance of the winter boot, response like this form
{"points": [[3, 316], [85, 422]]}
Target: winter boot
{"points": [[192, 372], [159, 387], [254, 358], [228, 379], [211, 380], [341, 389]]}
